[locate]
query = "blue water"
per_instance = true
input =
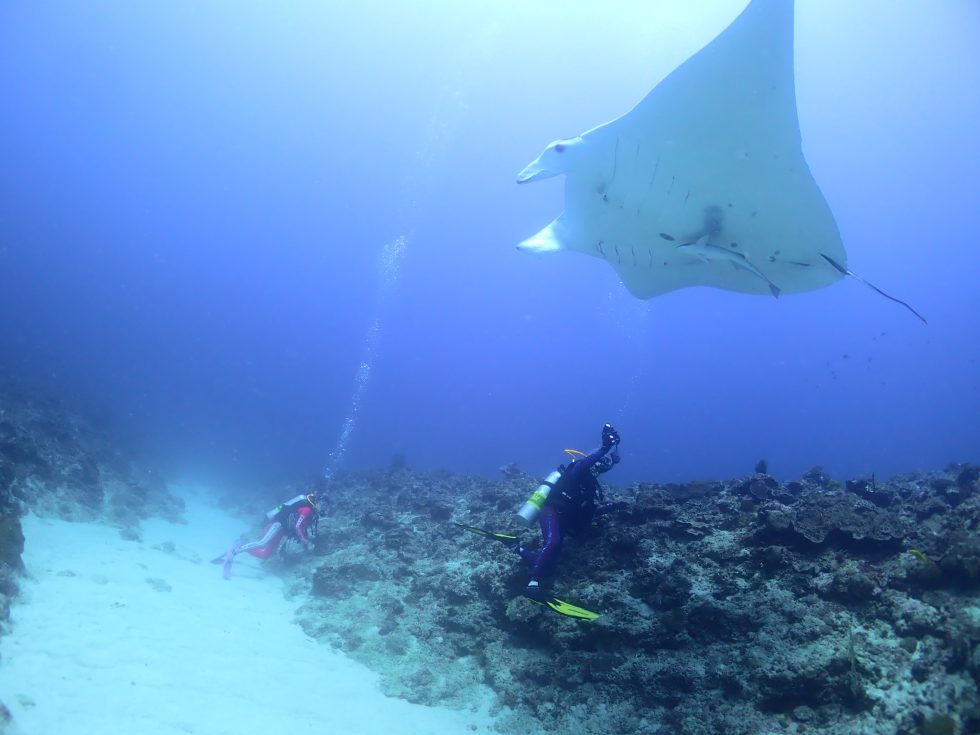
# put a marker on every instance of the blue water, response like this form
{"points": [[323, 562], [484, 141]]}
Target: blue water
{"points": [[195, 201]]}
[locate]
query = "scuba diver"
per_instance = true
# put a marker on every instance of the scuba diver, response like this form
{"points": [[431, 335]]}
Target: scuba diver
{"points": [[566, 503], [296, 518]]}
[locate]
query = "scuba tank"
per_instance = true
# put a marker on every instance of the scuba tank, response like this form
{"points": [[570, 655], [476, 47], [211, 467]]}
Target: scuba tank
{"points": [[532, 508], [289, 503]]}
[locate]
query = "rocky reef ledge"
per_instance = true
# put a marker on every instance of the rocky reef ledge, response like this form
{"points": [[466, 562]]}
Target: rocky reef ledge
{"points": [[55, 463], [739, 607]]}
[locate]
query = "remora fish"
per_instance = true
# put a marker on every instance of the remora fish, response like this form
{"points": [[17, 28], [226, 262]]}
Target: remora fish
{"points": [[706, 253]]}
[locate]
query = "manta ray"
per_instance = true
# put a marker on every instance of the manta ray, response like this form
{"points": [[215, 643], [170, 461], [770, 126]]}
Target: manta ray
{"points": [[704, 182]]}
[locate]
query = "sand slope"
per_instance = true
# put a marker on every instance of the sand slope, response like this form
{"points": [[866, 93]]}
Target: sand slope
{"points": [[118, 636]]}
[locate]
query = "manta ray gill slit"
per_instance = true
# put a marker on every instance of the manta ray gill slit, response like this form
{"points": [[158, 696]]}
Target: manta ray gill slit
{"points": [[653, 176]]}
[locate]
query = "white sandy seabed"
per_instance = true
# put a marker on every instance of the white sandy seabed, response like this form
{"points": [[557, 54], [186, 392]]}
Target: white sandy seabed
{"points": [[146, 638]]}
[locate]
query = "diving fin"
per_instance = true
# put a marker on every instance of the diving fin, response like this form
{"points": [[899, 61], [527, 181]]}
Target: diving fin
{"points": [[566, 608], [228, 557], [502, 537]]}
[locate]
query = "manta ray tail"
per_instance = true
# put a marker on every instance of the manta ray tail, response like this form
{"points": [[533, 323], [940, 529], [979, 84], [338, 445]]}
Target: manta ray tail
{"points": [[846, 272]]}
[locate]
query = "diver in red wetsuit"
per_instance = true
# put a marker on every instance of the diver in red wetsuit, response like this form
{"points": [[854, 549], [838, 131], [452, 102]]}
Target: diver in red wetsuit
{"points": [[296, 518]]}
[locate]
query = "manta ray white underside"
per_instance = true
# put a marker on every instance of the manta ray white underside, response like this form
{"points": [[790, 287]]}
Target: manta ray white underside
{"points": [[704, 182]]}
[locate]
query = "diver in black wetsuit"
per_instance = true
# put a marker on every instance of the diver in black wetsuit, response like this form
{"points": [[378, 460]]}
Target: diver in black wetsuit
{"points": [[573, 502]]}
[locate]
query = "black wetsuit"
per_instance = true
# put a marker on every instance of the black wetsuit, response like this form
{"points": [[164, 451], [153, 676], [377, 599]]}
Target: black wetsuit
{"points": [[571, 506]]}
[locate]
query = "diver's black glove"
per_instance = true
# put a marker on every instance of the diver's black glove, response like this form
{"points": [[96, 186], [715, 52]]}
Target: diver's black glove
{"points": [[610, 437]]}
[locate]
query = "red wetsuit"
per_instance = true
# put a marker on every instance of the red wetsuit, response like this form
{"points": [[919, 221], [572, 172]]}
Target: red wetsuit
{"points": [[298, 520]]}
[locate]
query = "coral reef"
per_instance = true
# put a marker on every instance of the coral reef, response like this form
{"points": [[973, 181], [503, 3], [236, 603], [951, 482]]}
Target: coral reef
{"points": [[744, 606], [55, 463], [748, 606], [11, 546]]}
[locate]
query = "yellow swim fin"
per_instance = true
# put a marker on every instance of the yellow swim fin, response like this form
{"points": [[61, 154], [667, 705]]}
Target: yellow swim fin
{"points": [[502, 537], [566, 608]]}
